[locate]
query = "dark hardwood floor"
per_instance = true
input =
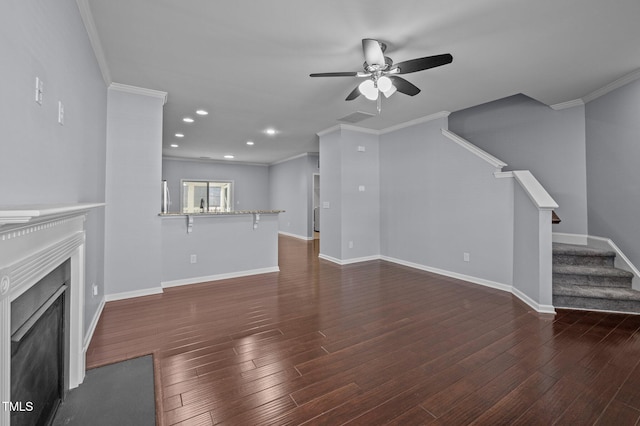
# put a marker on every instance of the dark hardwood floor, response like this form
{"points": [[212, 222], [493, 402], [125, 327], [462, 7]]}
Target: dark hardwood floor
{"points": [[371, 343]]}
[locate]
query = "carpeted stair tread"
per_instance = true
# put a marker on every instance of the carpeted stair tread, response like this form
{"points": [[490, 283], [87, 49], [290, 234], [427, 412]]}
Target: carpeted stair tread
{"points": [[576, 250], [596, 292], [592, 270]]}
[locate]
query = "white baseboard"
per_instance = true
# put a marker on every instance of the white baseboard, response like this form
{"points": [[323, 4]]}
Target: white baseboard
{"points": [[463, 277], [621, 261], [132, 294], [198, 280], [564, 238], [349, 261], [300, 237], [92, 326], [543, 309]]}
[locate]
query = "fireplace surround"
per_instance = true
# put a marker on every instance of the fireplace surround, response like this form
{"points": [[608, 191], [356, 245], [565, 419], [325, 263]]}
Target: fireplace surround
{"points": [[34, 241]]}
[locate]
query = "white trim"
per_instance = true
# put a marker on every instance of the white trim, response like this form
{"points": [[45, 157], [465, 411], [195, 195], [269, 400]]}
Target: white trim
{"points": [[132, 294], [543, 309], [330, 258], [474, 149], [30, 213], [536, 192], [567, 104], [502, 175], [93, 325], [300, 237], [295, 157], [463, 277], [612, 86], [329, 130], [139, 91], [358, 129], [212, 160], [563, 238], [425, 119], [94, 39], [218, 277], [353, 260], [597, 310]]}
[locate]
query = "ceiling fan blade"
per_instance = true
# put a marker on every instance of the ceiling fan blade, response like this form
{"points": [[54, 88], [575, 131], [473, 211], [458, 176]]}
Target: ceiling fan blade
{"points": [[354, 94], [403, 86], [373, 54], [334, 74], [420, 64]]}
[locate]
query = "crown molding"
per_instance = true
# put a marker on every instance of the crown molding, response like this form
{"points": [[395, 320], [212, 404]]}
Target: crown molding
{"points": [[139, 91], [612, 86], [568, 104], [213, 161], [94, 39], [425, 119], [295, 157]]}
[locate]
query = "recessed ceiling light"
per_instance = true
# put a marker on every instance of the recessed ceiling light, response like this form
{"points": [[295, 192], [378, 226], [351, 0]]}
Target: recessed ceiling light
{"points": [[179, 135], [188, 120], [228, 156], [249, 142], [270, 131], [174, 145], [201, 112]]}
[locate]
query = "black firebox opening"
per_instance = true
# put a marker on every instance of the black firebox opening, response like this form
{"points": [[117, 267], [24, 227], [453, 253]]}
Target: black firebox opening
{"points": [[37, 350]]}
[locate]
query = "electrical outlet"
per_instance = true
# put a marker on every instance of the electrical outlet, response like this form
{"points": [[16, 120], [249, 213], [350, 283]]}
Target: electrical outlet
{"points": [[350, 244], [95, 289], [465, 256], [194, 258]]}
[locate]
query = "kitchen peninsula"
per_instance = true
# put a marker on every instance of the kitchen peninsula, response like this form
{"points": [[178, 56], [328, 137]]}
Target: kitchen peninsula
{"points": [[200, 247]]}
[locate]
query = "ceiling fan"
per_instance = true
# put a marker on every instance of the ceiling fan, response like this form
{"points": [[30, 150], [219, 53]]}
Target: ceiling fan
{"points": [[382, 75]]}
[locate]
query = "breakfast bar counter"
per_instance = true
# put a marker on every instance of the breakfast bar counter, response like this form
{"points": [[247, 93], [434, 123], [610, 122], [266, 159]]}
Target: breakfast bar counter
{"points": [[201, 247]]}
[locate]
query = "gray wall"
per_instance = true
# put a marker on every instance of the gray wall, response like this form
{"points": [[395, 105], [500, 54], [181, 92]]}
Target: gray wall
{"points": [[331, 192], [40, 160], [290, 184], [613, 176], [350, 227], [132, 225], [225, 244], [250, 182], [360, 209], [439, 201], [528, 135]]}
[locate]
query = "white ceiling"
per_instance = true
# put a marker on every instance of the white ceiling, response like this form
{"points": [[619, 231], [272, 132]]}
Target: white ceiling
{"points": [[248, 61]]}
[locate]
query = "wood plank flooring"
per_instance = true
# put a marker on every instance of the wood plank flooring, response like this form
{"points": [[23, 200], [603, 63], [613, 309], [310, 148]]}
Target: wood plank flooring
{"points": [[371, 343]]}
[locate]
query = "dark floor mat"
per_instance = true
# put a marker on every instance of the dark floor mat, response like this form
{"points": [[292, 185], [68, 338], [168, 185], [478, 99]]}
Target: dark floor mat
{"points": [[116, 394]]}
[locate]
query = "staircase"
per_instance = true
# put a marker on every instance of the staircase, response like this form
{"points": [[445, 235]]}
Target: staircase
{"points": [[585, 277]]}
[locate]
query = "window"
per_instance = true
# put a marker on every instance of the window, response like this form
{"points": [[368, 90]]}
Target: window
{"points": [[202, 196]]}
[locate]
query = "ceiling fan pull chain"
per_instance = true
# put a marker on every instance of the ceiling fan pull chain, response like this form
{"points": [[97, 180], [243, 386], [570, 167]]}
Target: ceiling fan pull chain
{"points": [[379, 102]]}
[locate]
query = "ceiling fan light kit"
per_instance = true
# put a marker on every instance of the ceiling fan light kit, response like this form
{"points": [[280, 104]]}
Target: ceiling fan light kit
{"points": [[382, 75]]}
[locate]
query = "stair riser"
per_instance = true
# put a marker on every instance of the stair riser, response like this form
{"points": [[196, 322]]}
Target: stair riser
{"points": [[592, 280], [568, 259], [601, 304]]}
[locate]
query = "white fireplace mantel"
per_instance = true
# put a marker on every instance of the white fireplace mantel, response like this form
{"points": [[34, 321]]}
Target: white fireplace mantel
{"points": [[34, 240]]}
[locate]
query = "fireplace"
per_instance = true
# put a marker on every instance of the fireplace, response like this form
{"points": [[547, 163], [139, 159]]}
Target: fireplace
{"points": [[38, 242], [38, 324]]}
